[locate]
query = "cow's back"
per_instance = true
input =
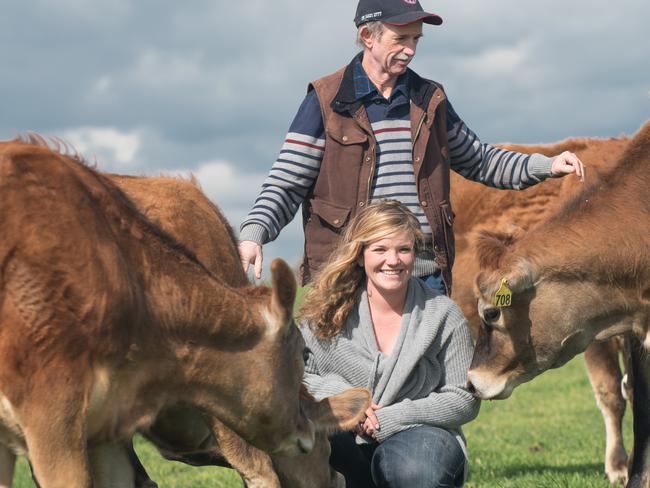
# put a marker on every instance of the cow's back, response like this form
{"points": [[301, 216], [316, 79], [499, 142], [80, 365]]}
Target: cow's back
{"points": [[478, 207], [62, 262], [180, 208]]}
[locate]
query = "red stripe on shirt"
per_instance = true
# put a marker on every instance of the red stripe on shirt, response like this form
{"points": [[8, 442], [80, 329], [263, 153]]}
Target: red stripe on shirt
{"points": [[313, 146], [396, 129]]}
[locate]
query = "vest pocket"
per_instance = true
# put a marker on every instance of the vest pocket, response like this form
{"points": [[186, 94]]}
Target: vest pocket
{"points": [[348, 137], [331, 214], [322, 230]]}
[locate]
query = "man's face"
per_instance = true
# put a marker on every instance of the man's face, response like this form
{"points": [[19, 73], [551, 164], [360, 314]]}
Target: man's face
{"points": [[395, 48]]}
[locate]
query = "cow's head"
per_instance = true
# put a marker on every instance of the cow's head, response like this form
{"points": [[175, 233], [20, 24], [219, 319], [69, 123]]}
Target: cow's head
{"points": [[183, 434], [280, 369], [519, 338], [249, 369], [337, 412]]}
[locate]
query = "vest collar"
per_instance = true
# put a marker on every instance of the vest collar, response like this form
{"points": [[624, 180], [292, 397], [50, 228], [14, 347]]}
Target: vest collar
{"points": [[345, 100]]}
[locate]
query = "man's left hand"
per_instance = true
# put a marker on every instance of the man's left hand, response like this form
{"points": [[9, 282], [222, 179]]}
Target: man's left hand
{"points": [[567, 163]]}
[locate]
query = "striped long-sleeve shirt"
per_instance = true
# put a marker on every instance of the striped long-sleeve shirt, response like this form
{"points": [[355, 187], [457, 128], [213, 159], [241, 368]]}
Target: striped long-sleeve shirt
{"points": [[297, 167]]}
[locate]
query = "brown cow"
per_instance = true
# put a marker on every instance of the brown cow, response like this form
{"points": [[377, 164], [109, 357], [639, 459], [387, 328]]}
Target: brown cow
{"points": [[98, 304], [581, 276], [183, 435], [479, 208], [180, 208]]}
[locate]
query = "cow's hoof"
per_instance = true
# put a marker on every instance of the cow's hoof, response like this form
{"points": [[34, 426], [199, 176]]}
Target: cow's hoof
{"points": [[617, 476], [147, 484]]}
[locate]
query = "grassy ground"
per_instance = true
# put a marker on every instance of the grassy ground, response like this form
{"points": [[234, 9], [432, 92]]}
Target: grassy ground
{"points": [[548, 434]]}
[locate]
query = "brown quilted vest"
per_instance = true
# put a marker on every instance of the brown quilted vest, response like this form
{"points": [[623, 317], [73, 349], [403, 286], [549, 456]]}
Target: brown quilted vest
{"points": [[343, 185]]}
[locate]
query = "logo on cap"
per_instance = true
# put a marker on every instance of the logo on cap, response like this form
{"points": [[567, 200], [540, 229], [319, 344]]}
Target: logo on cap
{"points": [[411, 2], [370, 16]]}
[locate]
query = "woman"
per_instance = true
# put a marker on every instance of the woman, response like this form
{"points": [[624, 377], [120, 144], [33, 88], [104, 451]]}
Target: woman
{"points": [[368, 322]]}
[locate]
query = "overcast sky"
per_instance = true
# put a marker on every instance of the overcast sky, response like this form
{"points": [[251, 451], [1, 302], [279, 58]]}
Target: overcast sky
{"points": [[210, 87]]}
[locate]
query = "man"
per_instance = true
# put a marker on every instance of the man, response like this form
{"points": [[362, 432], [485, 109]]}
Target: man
{"points": [[375, 130]]}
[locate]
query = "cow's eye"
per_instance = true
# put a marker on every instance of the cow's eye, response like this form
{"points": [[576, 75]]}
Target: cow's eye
{"points": [[305, 354], [491, 314]]}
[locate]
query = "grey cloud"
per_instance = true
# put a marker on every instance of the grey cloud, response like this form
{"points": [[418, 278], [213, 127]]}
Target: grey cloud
{"points": [[205, 80]]}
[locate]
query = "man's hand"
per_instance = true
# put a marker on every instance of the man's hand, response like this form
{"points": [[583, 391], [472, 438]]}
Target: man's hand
{"points": [[567, 163], [250, 252]]}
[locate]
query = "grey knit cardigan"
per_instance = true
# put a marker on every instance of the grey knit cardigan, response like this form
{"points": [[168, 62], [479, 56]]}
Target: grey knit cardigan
{"points": [[422, 382]]}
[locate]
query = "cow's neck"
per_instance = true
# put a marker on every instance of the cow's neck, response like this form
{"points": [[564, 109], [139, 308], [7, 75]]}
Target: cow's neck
{"points": [[190, 316], [184, 299], [604, 282]]}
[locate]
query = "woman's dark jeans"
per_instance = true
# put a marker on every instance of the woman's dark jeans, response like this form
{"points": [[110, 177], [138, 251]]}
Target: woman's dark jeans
{"points": [[421, 457]]}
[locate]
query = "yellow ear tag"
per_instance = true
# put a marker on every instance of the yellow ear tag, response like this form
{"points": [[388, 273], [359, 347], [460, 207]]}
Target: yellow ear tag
{"points": [[503, 297]]}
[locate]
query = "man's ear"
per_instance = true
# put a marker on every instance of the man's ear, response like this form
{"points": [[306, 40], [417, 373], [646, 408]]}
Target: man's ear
{"points": [[366, 36]]}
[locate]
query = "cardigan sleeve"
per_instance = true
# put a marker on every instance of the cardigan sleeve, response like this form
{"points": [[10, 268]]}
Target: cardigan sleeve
{"points": [[320, 384], [450, 405]]}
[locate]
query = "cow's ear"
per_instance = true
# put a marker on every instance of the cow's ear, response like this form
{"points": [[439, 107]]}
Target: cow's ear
{"points": [[518, 278], [337, 412], [491, 246], [522, 276], [283, 293]]}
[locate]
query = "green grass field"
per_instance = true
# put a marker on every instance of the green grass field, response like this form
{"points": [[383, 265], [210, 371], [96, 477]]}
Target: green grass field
{"points": [[548, 434]]}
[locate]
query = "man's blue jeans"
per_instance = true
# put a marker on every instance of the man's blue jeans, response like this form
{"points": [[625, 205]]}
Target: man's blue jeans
{"points": [[421, 457]]}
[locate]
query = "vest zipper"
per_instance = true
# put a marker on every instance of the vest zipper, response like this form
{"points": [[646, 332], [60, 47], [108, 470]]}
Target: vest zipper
{"points": [[417, 132], [372, 172]]}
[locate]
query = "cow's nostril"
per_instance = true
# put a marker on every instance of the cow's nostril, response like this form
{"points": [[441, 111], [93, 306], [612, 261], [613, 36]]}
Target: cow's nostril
{"points": [[470, 388]]}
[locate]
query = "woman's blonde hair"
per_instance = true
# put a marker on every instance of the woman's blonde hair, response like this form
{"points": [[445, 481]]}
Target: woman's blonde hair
{"points": [[333, 292]]}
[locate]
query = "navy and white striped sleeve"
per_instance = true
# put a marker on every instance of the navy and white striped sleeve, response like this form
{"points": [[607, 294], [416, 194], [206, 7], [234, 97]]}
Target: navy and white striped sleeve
{"points": [[291, 177], [490, 165]]}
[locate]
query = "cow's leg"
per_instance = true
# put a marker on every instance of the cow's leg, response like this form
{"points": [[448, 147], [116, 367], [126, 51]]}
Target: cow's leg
{"points": [[601, 359], [7, 465], [110, 466], [31, 472], [639, 474], [55, 433], [142, 479], [58, 461], [253, 465]]}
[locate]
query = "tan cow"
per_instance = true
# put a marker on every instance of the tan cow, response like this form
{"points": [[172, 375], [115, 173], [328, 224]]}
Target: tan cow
{"points": [[105, 320], [481, 208], [182, 435], [581, 276], [180, 208]]}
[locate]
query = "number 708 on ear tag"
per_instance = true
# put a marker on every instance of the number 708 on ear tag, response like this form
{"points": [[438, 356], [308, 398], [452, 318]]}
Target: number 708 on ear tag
{"points": [[503, 297]]}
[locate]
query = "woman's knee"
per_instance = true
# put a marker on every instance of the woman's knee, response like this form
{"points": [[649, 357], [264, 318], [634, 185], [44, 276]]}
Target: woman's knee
{"points": [[424, 457]]}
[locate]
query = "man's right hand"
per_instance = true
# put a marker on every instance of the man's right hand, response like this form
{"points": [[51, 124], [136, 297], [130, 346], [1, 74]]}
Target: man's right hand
{"points": [[250, 252]]}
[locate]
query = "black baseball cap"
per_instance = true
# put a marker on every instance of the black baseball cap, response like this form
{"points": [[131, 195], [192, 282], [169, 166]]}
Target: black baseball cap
{"points": [[394, 12]]}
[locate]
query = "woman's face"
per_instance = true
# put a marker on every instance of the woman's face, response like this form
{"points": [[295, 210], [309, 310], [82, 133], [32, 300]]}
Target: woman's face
{"points": [[388, 263]]}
